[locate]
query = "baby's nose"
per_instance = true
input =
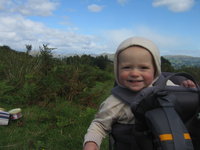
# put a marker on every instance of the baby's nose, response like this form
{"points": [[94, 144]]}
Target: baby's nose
{"points": [[134, 72]]}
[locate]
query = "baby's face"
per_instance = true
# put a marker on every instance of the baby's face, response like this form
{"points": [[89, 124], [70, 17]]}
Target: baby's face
{"points": [[135, 68]]}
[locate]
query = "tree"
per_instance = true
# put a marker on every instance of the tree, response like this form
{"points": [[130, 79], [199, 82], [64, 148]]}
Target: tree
{"points": [[28, 48], [101, 62], [166, 65], [46, 58]]}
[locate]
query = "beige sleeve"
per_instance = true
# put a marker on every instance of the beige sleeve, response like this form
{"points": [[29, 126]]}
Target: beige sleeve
{"points": [[108, 113]]}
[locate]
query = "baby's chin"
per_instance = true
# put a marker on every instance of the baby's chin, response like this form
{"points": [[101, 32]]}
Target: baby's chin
{"points": [[136, 89]]}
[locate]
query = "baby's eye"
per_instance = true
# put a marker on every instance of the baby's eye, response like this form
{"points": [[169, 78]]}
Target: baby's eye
{"points": [[126, 67], [144, 67]]}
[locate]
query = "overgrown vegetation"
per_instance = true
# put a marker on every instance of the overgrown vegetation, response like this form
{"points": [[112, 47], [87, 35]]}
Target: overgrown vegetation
{"points": [[58, 96], [29, 80]]}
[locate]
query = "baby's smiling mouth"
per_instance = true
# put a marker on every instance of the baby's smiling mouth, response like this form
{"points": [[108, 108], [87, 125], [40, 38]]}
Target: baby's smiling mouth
{"points": [[134, 81]]}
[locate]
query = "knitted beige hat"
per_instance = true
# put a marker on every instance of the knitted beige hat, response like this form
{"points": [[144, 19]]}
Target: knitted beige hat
{"points": [[143, 42]]}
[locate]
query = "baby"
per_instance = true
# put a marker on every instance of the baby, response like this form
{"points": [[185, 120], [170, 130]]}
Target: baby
{"points": [[137, 65]]}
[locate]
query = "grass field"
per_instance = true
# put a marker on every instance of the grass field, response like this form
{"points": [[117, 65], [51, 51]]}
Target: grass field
{"points": [[58, 125]]}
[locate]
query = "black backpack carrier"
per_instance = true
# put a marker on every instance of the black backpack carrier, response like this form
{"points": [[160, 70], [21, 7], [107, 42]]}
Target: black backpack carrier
{"points": [[166, 118]]}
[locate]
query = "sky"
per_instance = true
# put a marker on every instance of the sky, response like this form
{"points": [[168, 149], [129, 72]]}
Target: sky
{"points": [[98, 26]]}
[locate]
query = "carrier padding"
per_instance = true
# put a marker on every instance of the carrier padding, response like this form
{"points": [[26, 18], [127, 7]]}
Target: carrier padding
{"points": [[169, 129]]}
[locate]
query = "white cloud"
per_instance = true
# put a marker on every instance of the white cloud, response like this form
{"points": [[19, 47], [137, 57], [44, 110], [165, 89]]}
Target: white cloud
{"points": [[5, 5], [38, 7], [114, 37], [95, 8], [122, 2], [175, 5], [29, 7], [2, 4], [17, 31], [168, 44]]}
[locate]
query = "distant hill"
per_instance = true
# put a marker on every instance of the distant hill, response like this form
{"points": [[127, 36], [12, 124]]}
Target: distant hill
{"points": [[178, 61]]}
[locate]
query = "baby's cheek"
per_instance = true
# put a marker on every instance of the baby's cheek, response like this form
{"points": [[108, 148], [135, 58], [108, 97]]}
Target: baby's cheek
{"points": [[123, 76], [149, 80]]}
